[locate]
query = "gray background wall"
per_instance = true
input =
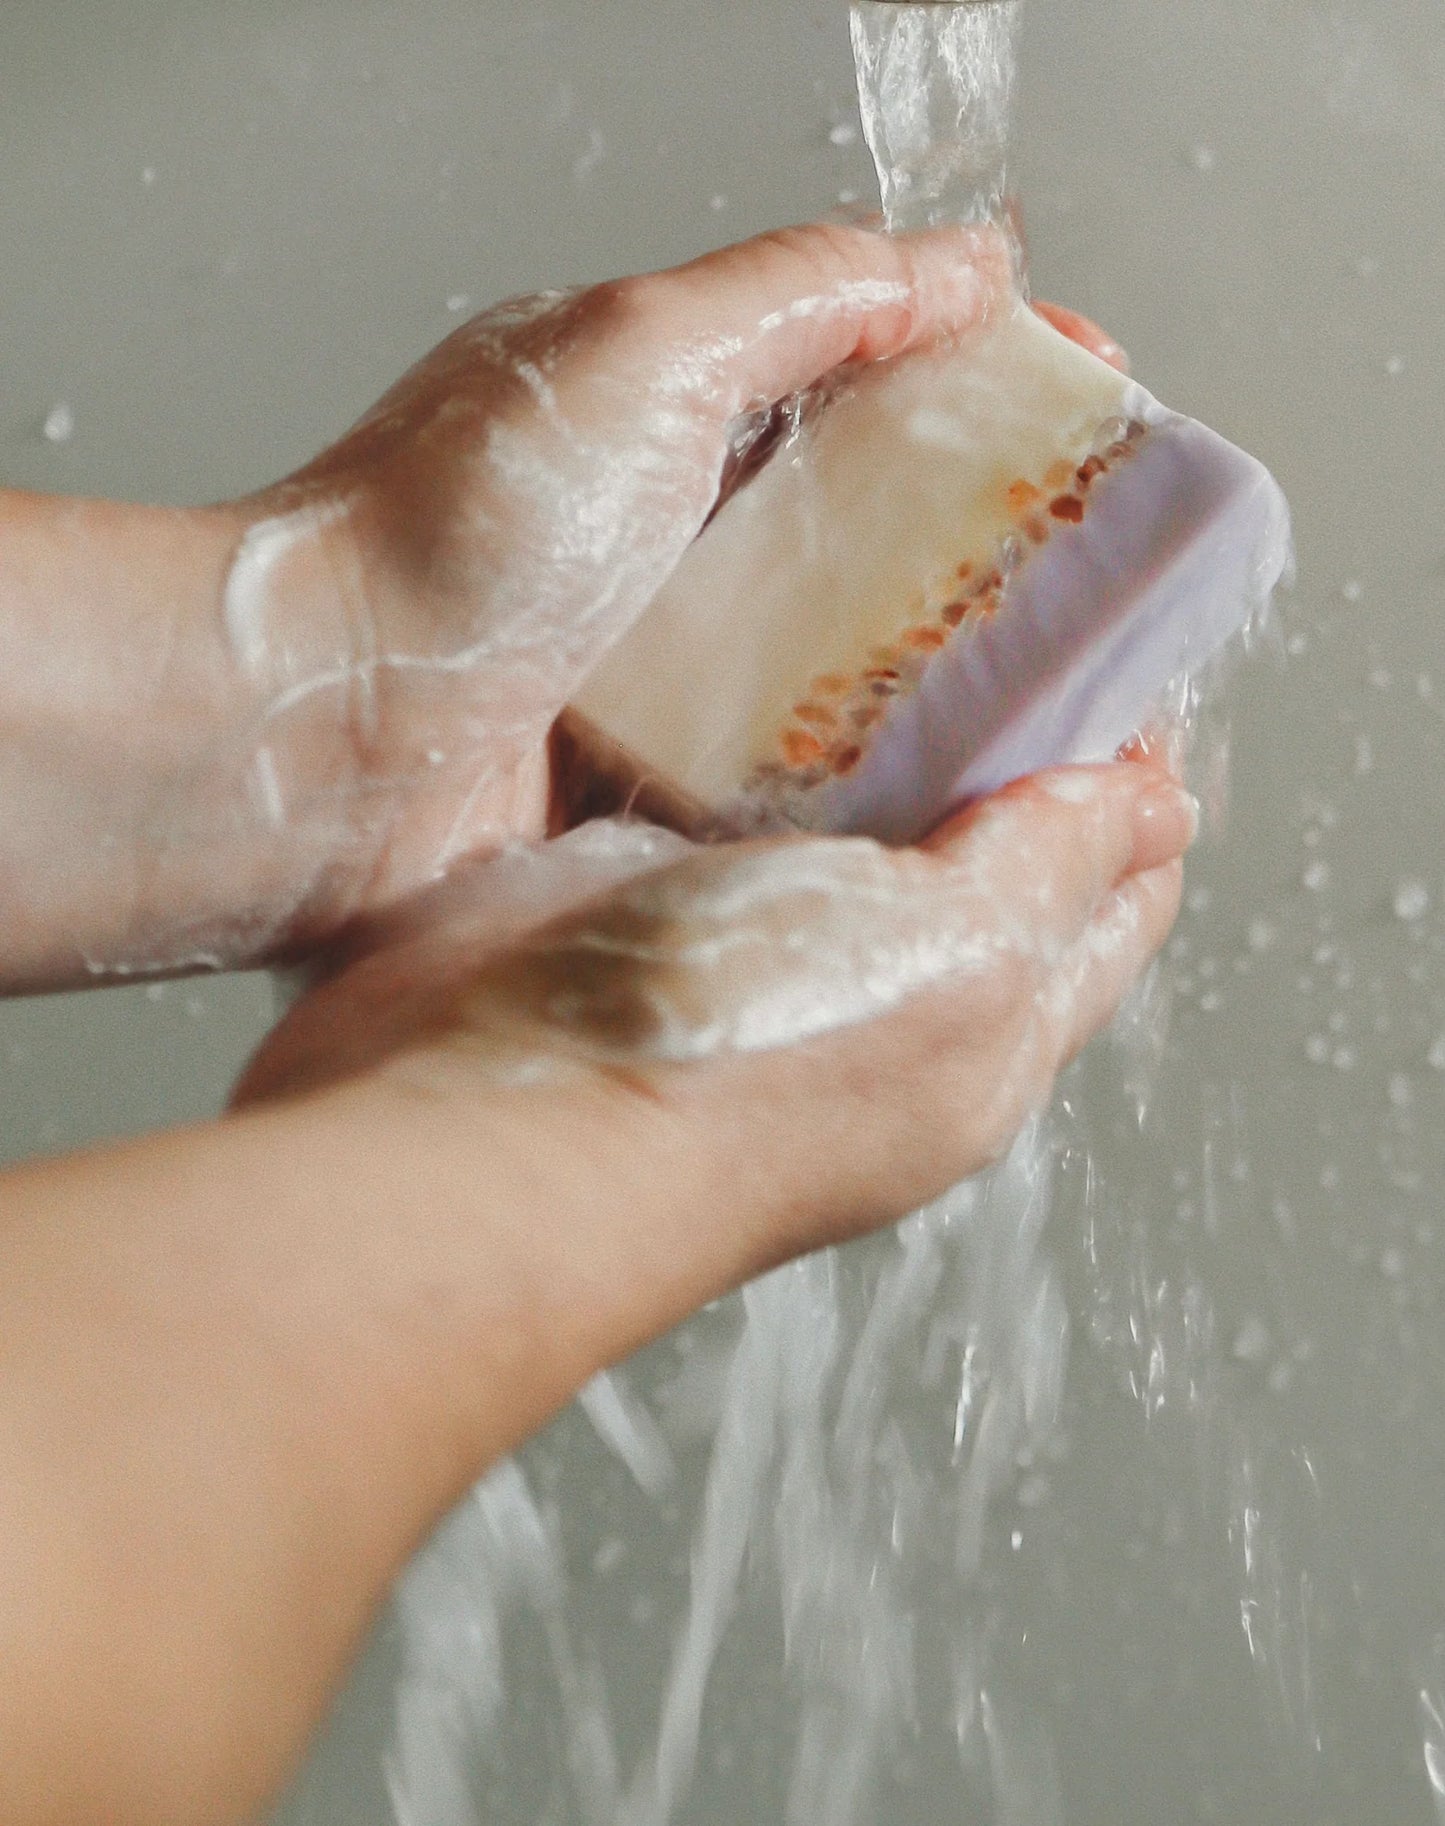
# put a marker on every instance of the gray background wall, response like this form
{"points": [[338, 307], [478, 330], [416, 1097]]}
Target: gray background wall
{"points": [[226, 226]]}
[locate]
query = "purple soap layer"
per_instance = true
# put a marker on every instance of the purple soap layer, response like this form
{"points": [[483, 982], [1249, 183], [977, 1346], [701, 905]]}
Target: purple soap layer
{"points": [[1178, 551]]}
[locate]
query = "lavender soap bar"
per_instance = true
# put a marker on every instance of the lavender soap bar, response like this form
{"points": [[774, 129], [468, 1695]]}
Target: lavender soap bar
{"points": [[975, 563]]}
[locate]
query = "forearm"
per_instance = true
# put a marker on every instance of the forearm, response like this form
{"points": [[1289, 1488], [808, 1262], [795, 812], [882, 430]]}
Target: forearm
{"points": [[139, 765], [246, 1368]]}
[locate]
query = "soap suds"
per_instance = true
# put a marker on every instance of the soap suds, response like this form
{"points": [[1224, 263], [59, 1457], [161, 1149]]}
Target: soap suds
{"points": [[265, 548], [842, 300]]}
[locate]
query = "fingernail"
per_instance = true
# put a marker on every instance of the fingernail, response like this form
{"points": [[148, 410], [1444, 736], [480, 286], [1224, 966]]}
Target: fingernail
{"points": [[1166, 822]]}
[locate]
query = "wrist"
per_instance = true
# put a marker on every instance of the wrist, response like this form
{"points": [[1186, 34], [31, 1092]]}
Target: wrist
{"points": [[294, 761], [612, 1205], [504, 1242]]}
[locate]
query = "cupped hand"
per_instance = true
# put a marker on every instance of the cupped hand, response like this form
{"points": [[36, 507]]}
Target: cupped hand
{"points": [[837, 1031], [507, 511]]}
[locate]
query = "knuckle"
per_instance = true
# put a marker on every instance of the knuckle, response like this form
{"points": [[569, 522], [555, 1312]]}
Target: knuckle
{"points": [[825, 248], [617, 307]]}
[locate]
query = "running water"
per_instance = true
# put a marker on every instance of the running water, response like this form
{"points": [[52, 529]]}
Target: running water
{"points": [[936, 87], [818, 1493]]}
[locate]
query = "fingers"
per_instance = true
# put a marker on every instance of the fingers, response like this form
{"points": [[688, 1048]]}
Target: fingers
{"points": [[780, 312], [1114, 952], [1085, 332], [866, 1122], [1055, 845]]}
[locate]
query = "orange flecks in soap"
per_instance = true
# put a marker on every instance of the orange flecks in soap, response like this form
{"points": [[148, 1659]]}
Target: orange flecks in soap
{"points": [[799, 747], [817, 716], [1058, 476], [1022, 496], [964, 572], [1067, 507], [830, 684], [953, 615], [845, 758], [1088, 473], [1037, 528], [924, 639], [863, 715]]}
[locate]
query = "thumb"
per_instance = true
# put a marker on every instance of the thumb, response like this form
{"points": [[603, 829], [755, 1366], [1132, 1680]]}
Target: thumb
{"points": [[778, 313]]}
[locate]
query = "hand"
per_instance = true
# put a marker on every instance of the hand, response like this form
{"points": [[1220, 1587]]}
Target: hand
{"points": [[235, 729], [830, 1032], [506, 512], [512, 505]]}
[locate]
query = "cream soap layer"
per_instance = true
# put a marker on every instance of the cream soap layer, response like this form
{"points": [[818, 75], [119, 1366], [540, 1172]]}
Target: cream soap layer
{"points": [[975, 562]]}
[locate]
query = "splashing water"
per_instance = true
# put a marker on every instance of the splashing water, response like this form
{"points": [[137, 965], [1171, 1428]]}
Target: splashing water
{"points": [[861, 1516], [1432, 1725], [817, 1492]]}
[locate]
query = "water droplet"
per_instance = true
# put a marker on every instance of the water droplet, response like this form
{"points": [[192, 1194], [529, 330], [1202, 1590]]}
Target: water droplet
{"points": [[1395, 366], [1343, 1058], [148, 176], [1033, 1491], [1380, 678], [1412, 900], [1317, 1049], [60, 424], [1436, 1055], [608, 1557], [1316, 877], [1401, 1090], [1435, 1767], [459, 302], [844, 134], [1364, 756], [1252, 1342], [587, 161], [1261, 935], [1203, 159], [1352, 590], [717, 203], [1392, 1264]]}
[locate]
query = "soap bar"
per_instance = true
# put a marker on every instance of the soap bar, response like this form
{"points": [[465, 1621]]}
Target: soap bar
{"points": [[975, 562]]}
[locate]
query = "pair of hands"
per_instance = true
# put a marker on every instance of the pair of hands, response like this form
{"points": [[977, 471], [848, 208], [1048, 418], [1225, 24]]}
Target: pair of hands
{"points": [[548, 1095], [488, 530]]}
